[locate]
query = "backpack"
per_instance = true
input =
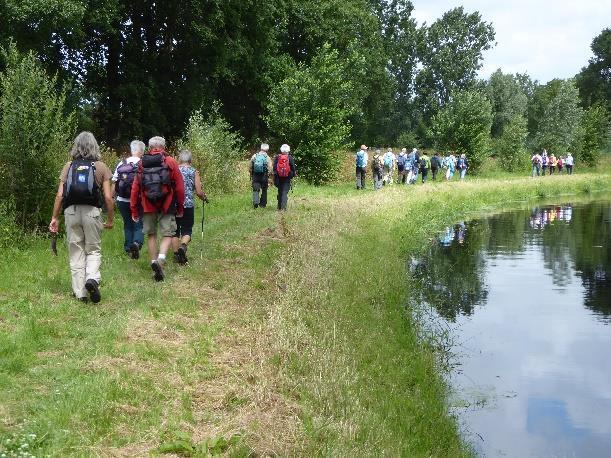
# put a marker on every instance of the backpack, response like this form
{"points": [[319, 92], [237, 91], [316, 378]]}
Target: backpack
{"points": [[80, 187], [387, 161], [436, 162], [535, 160], [155, 178], [260, 163], [360, 159], [401, 163], [424, 163], [461, 164], [283, 167], [377, 164], [125, 173], [544, 160]]}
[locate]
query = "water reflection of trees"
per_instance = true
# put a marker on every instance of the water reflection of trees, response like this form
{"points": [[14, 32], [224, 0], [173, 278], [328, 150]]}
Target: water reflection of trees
{"points": [[571, 239], [452, 277]]}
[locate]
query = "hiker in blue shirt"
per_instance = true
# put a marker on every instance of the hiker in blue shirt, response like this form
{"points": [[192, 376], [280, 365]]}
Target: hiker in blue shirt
{"points": [[388, 160], [361, 167]]}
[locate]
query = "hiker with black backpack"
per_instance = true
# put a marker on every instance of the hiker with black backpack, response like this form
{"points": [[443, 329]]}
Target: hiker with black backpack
{"points": [[260, 166], [83, 183], [284, 171], [435, 165], [377, 167], [402, 167], [158, 197], [361, 167], [184, 224], [121, 188]]}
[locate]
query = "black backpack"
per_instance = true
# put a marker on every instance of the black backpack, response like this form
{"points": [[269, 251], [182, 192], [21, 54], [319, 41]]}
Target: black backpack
{"points": [[80, 187], [155, 179], [126, 171]]}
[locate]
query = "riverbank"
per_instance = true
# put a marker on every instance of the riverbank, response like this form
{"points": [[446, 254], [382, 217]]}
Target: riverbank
{"points": [[289, 334]]}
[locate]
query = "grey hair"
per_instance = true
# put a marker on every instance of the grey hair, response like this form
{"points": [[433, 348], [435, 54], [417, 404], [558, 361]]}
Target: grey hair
{"points": [[137, 146], [157, 142], [285, 148], [86, 147], [185, 156], [264, 147]]}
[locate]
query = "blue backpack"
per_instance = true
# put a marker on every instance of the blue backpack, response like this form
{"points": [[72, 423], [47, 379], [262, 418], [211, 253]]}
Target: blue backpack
{"points": [[387, 161], [260, 163], [360, 158]]}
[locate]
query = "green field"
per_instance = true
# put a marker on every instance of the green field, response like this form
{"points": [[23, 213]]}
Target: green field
{"points": [[286, 334]]}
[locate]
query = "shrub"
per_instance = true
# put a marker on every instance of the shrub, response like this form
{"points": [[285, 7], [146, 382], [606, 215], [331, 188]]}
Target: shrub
{"points": [[309, 110], [216, 150], [463, 125], [35, 135], [511, 146]]}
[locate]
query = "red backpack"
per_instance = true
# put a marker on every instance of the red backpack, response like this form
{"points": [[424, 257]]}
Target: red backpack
{"points": [[283, 167]]}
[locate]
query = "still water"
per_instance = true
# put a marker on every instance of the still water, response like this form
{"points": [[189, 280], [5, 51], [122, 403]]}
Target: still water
{"points": [[527, 298]]}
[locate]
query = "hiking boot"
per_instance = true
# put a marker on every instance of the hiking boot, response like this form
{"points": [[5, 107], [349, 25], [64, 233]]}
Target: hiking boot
{"points": [[182, 254], [255, 205], [157, 271], [134, 250], [94, 292]]}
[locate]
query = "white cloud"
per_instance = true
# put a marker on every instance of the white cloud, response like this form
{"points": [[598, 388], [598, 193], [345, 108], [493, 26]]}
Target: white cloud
{"points": [[545, 38]]}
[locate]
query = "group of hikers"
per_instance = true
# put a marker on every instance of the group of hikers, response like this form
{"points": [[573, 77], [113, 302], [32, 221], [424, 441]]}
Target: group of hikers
{"points": [[543, 164], [408, 166], [155, 195]]}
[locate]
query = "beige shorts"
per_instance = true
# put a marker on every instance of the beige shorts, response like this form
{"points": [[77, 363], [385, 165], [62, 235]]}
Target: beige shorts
{"points": [[166, 223]]}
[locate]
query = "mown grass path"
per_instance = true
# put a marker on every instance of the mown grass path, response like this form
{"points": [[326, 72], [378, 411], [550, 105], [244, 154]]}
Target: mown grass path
{"points": [[289, 331]]}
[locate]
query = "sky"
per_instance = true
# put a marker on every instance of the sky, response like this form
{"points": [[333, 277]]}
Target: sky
{"points": [[545, 38]]}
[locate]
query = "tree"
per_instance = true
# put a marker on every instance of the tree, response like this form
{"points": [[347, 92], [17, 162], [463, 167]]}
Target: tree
{"points": [[594, 131], [508, 100], [35, 135], [594, 81], [511, 146], [463, 125], [310, 110], [559, 126], [450, 52]]}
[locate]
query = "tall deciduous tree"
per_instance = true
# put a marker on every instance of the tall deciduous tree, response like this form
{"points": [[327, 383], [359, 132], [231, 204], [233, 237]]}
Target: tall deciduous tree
{"points": [[594, 134], [508, 100], [463, 125], [594, 81], [511, 146], [559, 127]]}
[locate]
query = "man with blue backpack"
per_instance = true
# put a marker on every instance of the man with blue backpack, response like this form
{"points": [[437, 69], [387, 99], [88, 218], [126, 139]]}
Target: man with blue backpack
{"points": [[402, 167], [388, 160], [121, 187], [260, 166], [361, 167]]}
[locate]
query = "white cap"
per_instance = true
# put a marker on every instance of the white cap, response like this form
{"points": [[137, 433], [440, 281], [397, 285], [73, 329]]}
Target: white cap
{"points": [[285, 148]]}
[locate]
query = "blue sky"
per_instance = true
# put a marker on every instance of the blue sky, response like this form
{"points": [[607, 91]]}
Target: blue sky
{"points": [[547, 39]]}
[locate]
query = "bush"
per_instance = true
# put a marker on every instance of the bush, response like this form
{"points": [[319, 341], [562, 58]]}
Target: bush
{"points": [[309, 110], [408, 140], [511, 146], [216, 150], [463, 125], [35, 136]]}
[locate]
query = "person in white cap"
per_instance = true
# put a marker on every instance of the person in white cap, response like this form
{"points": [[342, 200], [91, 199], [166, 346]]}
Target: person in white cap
{"points": [[260, 167], [284, 171], [361, 167]]}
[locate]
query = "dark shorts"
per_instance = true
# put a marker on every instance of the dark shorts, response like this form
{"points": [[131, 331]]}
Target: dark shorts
{"points": [[184, 225]]}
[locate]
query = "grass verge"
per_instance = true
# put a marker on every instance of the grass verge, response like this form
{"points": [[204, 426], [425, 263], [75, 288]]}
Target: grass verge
{"points": [[289, 333]]}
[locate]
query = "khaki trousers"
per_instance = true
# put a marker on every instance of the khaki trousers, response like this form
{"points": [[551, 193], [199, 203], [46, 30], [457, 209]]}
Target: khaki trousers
{"points": [[84, 232]]}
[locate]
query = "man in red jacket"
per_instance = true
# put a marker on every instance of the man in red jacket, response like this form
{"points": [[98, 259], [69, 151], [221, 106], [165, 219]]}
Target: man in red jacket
{"points": [[158, 193]]}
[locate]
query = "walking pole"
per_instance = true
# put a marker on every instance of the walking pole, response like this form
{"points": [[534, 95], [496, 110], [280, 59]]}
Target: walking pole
{"points": [[201, 246]]}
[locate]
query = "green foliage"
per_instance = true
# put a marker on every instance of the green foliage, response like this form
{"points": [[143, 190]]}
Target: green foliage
{"points": [[463, 125], [511, 146], [594, 134], [216, 150], [508, 100], [408, 140], [35, 134], [593, 80], [309, 110], [559, 126], [182, 444]]}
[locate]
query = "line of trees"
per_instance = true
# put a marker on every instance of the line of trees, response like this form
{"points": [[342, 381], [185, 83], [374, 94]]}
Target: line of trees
{"points": [[323, 76]]}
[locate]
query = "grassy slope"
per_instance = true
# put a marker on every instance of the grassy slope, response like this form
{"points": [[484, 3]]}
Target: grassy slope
{"points": [[291, 331]]}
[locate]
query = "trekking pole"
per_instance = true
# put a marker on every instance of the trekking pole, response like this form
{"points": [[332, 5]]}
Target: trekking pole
{"points": [[201, 246]]}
